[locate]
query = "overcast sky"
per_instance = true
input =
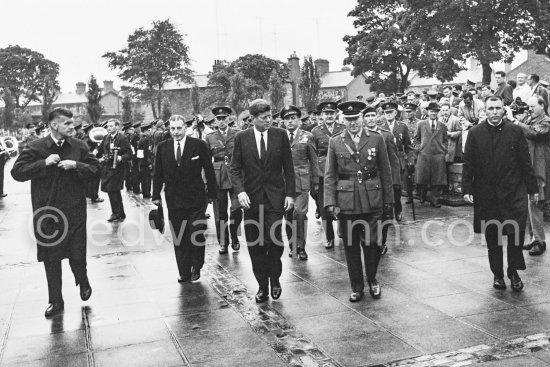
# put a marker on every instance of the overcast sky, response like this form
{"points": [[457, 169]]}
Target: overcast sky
{"points": [[76, 33]]}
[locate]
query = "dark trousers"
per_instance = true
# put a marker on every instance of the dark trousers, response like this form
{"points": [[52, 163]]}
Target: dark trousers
{"points": [[226, 225], [296, 229], [128, 175], [265, 254], [115, 198], [92, 188], [2, 165], [135, 176], [356, 236], [144, 182], [435, 189], [327, 219], [398, 208], [187, 227], [514, 251], [53, 275]]}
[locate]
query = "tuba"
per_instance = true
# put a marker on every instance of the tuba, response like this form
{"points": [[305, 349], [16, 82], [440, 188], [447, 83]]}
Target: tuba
{"points": [[9, 144], [97, 134]]}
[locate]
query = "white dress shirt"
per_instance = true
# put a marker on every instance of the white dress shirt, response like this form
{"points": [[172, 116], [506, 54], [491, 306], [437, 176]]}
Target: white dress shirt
{"points": [[182, 145], [523, 92], [391, 125], [258, 137], [55, 140]]}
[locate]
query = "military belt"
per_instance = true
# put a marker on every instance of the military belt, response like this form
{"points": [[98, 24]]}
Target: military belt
{"points": [[365, 175], [219, 159]]}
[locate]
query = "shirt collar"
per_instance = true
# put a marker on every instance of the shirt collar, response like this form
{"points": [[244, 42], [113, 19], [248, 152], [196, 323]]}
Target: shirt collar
{"points": [[56, 141], [258, 133], [500, 123], [181, 142], [295, 132]]}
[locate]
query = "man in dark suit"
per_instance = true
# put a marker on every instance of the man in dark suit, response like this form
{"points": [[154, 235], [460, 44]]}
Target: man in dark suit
{"points": [[58, 167], [144, 161], [178, 166], [4, 157], [262, 175], [115, 151], [496, 178], [220, 145]]}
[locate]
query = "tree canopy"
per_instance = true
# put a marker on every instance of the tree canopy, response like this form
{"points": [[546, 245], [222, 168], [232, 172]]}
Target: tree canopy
{"points": [[152, 58], [94, 107], [310, 84]]}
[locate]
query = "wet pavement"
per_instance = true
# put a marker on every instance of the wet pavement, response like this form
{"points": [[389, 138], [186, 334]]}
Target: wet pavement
{"points": [[438, 305]]}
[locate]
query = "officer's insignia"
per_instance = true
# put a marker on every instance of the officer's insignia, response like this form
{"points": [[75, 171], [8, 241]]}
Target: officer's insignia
{"points": [[401, 136], [303, 140], [350, 108], [371, 153]]}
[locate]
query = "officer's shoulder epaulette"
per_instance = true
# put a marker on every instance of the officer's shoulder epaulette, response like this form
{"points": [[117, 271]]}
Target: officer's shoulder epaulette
{"points": [[376, 131], [211, 132], [337, 134]]}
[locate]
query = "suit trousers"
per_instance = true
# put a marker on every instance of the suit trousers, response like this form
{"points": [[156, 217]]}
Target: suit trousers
{"points": [[135, 176], [54, 277], [327, 219], [128, 168], [398, 208], [115, 198], [296, 221], [144, 182], [535, 221], [226, 225], [360, 231], [187, 227], [92, 188], [2, 165], [514, 251], [262, 228]]}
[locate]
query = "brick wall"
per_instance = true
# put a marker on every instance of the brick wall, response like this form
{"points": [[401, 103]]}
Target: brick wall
{"points": [[535, 64]]}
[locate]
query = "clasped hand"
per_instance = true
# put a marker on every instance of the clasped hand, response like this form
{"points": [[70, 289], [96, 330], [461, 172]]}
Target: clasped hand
{"points": [[56, 159]]}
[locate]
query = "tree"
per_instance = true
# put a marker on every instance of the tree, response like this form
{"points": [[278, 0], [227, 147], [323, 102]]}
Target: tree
{"points": [[196, 99], [152, 58], [389, 45], [310, 84], [94, 107], [23, 72], [166, 109], [277, 91], [8, 112], [238, 96], [50, 91], [490, 31], [138, 116], [126, 109]]}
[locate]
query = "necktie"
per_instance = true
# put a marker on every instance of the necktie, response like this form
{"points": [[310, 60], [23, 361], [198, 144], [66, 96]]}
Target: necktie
{"points": [[433, 126], [262, 147], [60, 144], [291, 137], [178, 154]]}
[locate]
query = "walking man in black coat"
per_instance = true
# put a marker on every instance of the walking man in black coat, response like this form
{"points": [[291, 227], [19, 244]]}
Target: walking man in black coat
{"points": [[115, 152], [497, 177], [59, 167], [179, 162], [262, 175]]}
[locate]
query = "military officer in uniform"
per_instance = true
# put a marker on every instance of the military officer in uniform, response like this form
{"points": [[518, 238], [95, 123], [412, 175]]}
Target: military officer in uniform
{"points": [[306, 172], [145, 159], [358, 188], [404, 151], [220, 144], [321, 135], [129, 166], [92, 184], [134, 141], [409, 119]]}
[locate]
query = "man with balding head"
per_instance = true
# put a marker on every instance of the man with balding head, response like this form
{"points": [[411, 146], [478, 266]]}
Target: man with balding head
{"points": [[523, 90]]}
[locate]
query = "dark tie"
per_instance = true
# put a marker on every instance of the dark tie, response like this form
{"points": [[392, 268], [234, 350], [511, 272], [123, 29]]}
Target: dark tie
{"points": [[178, 154], [291, 137], [262, 148], [60, 144], [433, 126]]}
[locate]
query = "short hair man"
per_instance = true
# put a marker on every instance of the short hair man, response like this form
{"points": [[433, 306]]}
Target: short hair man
{"points": [[523, 90], [538, 89], [504, 90]]}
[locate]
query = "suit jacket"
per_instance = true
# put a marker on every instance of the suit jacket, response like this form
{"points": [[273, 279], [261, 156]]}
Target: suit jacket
{"points": [[112, 179], [350, 195], [304, 157], [506, 92], [322, 135], [183, 184], [403, 143], [454, 132], [53, 187], [431, 167], [389, 140], [274, 178], [221, 147], [497, 171]]}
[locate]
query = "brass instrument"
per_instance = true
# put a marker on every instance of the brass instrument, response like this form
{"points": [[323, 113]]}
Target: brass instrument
{"points": [[114, 154], [97, 134], [9, 144]]}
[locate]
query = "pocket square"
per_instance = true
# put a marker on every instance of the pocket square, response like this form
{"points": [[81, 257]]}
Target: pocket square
{"points": [[195, 157]]}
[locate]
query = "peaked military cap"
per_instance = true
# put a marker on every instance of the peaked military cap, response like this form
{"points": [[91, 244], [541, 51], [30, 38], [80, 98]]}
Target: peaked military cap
{"points": [[327, 106], [146, 126], [137, 124], [275, 115], [390, 105], [87, 127], [432, 93], [221, 111], [352, 108], [369, 108], [304, 118], [410, 106], [290, 110]]}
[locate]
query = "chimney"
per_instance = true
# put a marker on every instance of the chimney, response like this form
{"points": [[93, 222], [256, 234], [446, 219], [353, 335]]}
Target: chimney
{"points": [[218, 64], [80, 88], [322, 66], [107, 86]]}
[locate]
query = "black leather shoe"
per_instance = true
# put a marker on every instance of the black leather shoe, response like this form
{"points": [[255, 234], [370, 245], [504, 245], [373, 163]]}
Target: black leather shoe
{"points": [[515, 280], [3, 195], [302, 254], [54, 309], [85, 291], [223, 249], [97, 200], [276, 289], [538, 248], [261, 296], [498, 283], [329, 244], [398, 217], [356, 296], [235, 245], [184, 279], [375, 289], [529, 246], [112, 218], [195, 274]]}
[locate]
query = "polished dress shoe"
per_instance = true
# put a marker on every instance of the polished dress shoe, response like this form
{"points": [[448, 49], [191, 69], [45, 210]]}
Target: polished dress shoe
{"points": [[398, 217], [515, 280], [195, 275], [223, 249], [54, 309], [85, 291], [261, 296], [235, 245], [3, 195], [529, 246], [356, 296], [329, 244], [97, 200], [276, 289], [375, 289], [184, 279], [498, 283], [302, 254], [538, 248], [112, 218]]}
